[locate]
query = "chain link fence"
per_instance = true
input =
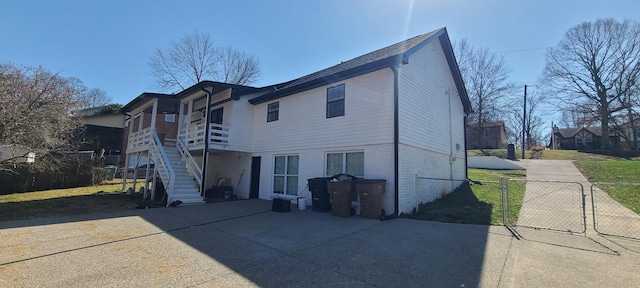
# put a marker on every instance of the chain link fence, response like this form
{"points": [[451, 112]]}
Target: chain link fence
{"points": [[453, 201], [549, 205], [431, 189], [615, 208]]}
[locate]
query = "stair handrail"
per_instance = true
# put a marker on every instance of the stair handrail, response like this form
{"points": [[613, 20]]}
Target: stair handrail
{"points": [[164, 165], [192, 165]]}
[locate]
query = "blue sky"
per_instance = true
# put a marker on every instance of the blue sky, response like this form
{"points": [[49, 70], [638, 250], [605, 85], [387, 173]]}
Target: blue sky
{"points": [[107, 44]]}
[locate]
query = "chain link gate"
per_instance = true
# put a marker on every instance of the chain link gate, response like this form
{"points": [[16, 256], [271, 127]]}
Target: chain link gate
{"points": [[552, 205], [610, 217], [549, 205]]}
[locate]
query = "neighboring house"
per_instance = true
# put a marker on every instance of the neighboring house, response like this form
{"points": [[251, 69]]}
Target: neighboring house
{"points": [[393, 114], [13, 153], [103, 133], [585, 138], [491, 135]]}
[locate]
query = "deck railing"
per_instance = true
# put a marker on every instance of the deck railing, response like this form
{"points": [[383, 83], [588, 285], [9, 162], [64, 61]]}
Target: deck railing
{"points": [[195, 134], [162, 164], [140, 140], [192, 165]]}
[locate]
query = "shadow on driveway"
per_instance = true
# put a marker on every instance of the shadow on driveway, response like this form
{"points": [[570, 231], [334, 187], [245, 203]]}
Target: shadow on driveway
{"points": [[244, 243]]}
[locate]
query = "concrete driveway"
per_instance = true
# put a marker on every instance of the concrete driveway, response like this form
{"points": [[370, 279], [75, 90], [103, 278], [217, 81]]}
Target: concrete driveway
{"points": [[554, 200], [244, 244]]}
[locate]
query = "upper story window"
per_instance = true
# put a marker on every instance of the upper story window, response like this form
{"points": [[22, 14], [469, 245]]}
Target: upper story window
{"points": [[335, 101], [170, 118], [273, 110]]}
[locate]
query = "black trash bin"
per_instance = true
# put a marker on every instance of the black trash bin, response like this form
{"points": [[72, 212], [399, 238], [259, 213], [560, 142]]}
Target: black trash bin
{"points": [[511, 152], [320, 199]]}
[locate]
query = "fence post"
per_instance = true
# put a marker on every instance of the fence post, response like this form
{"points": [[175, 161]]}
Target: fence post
{"points": [[593, 208], [504, 221], [417, 194]]}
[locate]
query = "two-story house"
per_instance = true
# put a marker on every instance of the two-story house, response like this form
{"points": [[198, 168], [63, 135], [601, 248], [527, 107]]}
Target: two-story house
{"points": [[394, 114]]}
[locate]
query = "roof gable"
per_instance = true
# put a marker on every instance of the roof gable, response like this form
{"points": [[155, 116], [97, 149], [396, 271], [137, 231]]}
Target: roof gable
{"points": [[142, 98], [571, 132]]}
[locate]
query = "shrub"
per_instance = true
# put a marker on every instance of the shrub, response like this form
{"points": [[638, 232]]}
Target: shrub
{"points": [[537, 148]]}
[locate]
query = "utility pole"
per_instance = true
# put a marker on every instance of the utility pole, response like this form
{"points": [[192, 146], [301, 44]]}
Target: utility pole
{"points": [[524, 119]]}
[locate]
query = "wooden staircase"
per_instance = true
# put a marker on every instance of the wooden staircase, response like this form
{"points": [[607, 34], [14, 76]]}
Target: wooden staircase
{"points": [[185, 188]]}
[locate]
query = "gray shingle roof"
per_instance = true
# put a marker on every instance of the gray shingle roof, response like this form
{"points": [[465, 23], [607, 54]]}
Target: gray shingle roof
{"points": [[570, 132], [380, 54], [386, 57]]}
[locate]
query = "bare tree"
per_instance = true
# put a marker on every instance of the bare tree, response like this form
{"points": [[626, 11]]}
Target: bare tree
{"points": [[83, 97], [238, 67], [578, 115], [534, 123], [596, 63], [96, 97], [486, 78], [625, 124], [34, 116], [196, 58]]}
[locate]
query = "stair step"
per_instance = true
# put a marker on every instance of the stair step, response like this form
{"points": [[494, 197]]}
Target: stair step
{"points": [[184, 187]]}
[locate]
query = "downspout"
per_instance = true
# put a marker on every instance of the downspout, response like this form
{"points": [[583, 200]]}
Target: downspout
{"points": [[396, 138], [466, 161], [452, 158], [205, 153]]}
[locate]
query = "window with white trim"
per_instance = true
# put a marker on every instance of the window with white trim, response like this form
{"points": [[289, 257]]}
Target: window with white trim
{"points": [[335, 101], [351, 163], [170, 118], [285, 174]]}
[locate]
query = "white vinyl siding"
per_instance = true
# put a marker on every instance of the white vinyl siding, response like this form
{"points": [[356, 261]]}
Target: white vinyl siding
{"points": [[431, 122], [302, 122], [240, 123]]}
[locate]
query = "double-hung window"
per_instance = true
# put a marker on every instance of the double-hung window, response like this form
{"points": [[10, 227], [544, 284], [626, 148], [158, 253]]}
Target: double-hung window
{"points": [[273, 110], [285, 174], [335, 101], [351, 163]]}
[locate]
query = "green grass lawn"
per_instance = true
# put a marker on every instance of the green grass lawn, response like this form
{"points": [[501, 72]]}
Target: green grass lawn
{"points": [[70, 201], [546, 154], [615, 171], [475, 203]]}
